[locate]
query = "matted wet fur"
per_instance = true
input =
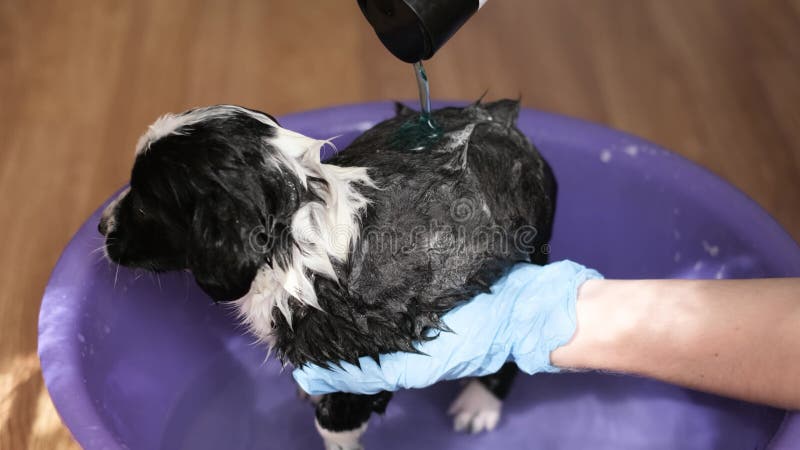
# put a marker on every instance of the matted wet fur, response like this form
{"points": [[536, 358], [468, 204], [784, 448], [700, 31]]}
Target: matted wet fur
{"points": [[443, 225]]}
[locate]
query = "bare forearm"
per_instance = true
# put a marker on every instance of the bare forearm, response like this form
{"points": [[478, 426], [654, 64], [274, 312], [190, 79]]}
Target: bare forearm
{"points": [[739, 338]]}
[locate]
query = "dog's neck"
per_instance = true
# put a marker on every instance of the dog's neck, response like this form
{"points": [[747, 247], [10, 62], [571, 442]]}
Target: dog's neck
{"points": [[324, 231]]}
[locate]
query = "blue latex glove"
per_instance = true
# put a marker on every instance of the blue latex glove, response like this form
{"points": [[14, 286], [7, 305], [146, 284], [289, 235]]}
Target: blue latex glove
{"points": [[528, 313]]}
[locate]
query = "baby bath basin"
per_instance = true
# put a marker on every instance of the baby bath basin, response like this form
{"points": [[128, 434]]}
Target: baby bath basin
{"points": [[150, 363]]}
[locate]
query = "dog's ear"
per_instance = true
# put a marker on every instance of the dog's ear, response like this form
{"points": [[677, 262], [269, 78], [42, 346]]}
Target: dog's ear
{"points": [[504, 111], [402, 110], [224, 254]]}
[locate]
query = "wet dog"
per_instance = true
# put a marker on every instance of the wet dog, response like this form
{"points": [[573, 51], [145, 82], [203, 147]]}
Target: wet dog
{"points": [[355, 256]]}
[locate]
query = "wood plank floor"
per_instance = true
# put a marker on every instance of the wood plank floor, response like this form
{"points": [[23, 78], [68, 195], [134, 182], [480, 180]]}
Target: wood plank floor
{"points": [[718, 81]]}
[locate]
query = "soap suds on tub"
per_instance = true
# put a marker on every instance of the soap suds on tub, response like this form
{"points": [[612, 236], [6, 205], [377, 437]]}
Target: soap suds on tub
{"points": [[712, 250], [605, 155], [632, 150]]}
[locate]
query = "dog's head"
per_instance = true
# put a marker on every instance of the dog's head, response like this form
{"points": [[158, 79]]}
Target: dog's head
{"points": [[212, 190]]}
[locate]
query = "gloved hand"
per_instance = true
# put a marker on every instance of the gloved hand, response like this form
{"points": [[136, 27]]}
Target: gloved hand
{"points": [[528, 313]]}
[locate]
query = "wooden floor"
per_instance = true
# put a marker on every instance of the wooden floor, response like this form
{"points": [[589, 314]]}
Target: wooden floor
{"points": [[718, 81]]}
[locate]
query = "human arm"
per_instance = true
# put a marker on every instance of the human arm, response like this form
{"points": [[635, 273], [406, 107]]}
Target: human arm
{"points": [[737, 338]]}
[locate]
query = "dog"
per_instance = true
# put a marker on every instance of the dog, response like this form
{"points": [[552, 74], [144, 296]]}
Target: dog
{"points": [[356, 256]]}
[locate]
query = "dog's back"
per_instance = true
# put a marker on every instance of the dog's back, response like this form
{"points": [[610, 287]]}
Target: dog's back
{"points": [[443, 224]]}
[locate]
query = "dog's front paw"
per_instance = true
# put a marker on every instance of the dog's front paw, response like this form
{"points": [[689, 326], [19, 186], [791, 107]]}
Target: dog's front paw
{"points": [[475, 409], [342, 440], [329, 445]]}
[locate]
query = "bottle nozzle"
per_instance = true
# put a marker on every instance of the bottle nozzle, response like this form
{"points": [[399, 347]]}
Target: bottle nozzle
{"points": [[413, 30]]}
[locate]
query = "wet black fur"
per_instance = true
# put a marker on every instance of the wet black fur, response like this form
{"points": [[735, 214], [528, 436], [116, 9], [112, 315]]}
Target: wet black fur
{"points": [[341, 411], [386, 300]]}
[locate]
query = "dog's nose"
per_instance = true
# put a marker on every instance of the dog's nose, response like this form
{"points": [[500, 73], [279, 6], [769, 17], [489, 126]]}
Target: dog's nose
{"points": [[102, 227], [107, 220]]}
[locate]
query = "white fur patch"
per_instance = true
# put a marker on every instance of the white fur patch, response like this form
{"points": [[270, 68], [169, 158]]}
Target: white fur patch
{"points": [[342, 440], [475, 409], [324, 232], [169, 124]]}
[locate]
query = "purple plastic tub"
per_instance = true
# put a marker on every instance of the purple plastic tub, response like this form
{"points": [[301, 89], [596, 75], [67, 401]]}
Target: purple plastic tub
{"points": [[147, 363]]}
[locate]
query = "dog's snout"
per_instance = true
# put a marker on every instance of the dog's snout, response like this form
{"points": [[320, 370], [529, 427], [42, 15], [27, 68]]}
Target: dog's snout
{"points": [[102, 226], [106, 224], [107, 220]]}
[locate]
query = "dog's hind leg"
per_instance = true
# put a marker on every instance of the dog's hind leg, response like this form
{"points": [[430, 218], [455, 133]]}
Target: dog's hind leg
{"points": [[342, 418]]}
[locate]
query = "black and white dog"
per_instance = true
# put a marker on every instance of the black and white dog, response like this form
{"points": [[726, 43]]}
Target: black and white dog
{"points": [[356, 256]]}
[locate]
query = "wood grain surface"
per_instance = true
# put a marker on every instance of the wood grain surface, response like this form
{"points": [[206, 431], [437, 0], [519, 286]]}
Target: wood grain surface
{"points": [[717, 81]]}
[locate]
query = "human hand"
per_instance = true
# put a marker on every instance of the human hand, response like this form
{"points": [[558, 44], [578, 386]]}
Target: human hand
{"points": [[528, 313]]}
